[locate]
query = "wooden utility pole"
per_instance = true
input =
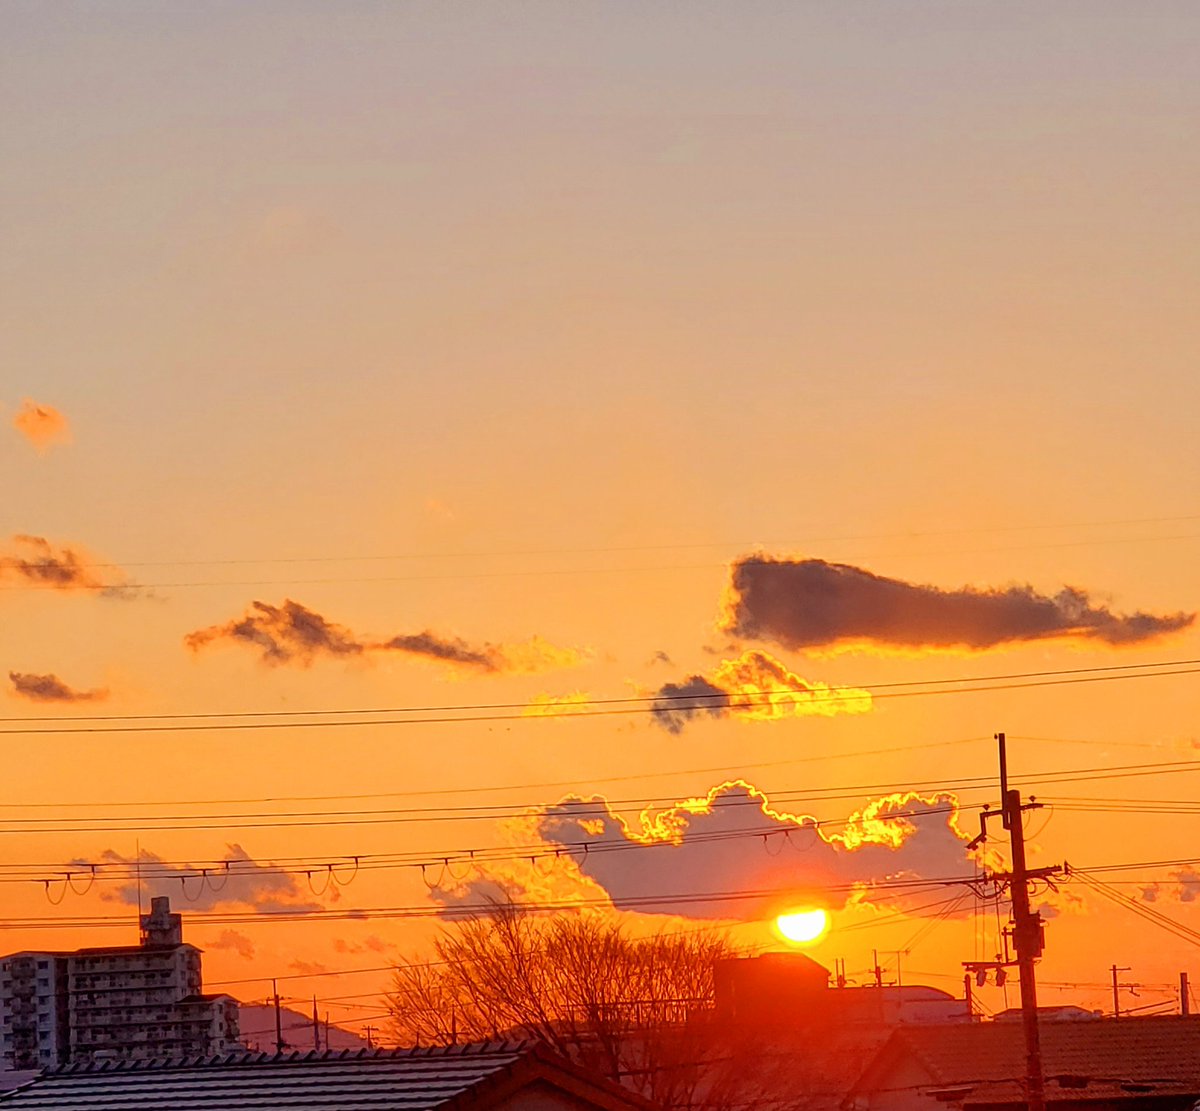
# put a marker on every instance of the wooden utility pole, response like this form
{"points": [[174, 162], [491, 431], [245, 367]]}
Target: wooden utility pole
{"points": [[1184, 1008], [1117, 990], [1027, 933], [279, 1042]]}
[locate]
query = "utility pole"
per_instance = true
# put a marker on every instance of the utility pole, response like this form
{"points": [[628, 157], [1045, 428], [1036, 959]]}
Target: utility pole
{"points": [[1184, 1002], [898, 953], [316, 1027], [1027, 933], [279, 1042], [877, 971], [1116, 991]]}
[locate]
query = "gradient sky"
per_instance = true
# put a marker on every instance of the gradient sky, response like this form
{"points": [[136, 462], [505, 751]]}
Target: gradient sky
{"points": [[527, 319]]}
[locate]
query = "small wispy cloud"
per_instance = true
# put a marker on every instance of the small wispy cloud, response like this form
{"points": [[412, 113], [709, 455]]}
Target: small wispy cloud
{"points": [[238, 879], [42, 425], [291, 633], [50, 688], [755, 687], [35, 561], [557, 705], [236, 942]]}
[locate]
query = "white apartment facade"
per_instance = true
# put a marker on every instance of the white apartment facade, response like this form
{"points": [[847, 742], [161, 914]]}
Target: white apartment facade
{"points": [[115, 1003]]}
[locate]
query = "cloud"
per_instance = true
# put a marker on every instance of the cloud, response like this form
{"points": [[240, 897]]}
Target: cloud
{"points": [[293, 634], [42, 425], [238, 943], [731, 842], [238, 879], [754, 686], [290, 633], [50, 688], [308, 968], [734, 841], [1188, 880], [372, 943], [557, 705], [453, 650], [810, 603], [35, 561]]}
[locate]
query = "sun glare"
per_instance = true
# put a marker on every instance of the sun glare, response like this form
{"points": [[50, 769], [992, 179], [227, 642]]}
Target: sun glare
{"points": [[802, 926]]}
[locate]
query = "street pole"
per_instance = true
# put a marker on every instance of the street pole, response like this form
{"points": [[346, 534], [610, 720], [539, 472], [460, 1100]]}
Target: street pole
{"points": [[1116, 991], [278, 1018], [1027, 936], [1027, 923]]}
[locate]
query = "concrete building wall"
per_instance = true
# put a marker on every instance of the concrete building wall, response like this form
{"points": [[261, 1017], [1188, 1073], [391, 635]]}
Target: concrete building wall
{"points": [[120, 1003]]}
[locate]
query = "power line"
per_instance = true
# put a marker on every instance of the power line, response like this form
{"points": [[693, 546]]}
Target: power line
{"points": [[652, 703], [752, 544], [636, 902], [499, 788], [682, 698]]}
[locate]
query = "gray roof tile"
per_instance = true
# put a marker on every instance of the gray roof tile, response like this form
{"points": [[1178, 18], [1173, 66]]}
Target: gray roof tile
{"points": [[380, 1080]]}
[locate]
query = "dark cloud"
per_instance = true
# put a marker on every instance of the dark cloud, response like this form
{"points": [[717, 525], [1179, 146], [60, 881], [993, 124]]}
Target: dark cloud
{"points": [[35, 561], [676, 704], [237, 880], [453, 650], [235, 942], [811, 604], [50, 688], [290, 633], [293, 634], [372, 943], [753, 686], [712, 847], [1188, 881]]}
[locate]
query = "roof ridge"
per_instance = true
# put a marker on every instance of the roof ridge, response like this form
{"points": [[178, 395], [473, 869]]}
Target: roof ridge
{"points": [[492, 1047]]}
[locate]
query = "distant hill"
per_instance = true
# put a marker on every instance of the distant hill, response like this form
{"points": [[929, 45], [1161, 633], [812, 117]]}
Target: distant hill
{"points": [[258, 1030]]}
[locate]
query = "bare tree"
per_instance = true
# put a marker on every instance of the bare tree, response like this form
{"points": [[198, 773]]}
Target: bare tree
{"points": [[633, 1008]]}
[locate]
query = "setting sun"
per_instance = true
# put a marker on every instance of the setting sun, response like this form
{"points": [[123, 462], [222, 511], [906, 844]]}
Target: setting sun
{"points": [[802, 926]]}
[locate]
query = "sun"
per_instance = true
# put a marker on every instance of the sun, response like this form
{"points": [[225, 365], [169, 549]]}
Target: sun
{"points": [[800, 927]]}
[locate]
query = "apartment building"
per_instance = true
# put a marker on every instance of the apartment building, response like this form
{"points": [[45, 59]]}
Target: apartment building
{"points": [[114, 1003]]}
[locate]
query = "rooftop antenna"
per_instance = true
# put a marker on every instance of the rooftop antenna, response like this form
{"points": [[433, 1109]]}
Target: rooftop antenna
{"points": [[137, 866]]}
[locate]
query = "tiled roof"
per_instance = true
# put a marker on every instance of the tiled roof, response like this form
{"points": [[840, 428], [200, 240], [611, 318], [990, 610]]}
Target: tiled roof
{"points": [[364, 1080], [1085, 1058]]}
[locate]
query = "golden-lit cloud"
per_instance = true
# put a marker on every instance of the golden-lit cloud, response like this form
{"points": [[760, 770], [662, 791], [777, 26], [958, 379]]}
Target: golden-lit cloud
{"points": [[42, 425], [50, 688], [557, 705], [35, 561], [809, 603], [755, 687], [293, 634], [729, 854], [541, 878]]}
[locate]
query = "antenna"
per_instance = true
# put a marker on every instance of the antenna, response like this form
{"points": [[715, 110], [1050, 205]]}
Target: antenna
{"points": [[137, 865]]}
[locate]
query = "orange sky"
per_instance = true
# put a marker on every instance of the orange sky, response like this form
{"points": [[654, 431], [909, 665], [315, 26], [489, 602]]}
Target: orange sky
{"points": [[495, 338]]}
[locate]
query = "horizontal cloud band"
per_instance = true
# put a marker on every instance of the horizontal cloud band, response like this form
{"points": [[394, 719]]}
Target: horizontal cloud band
{"points": [[293, 634], [810, 603]]}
